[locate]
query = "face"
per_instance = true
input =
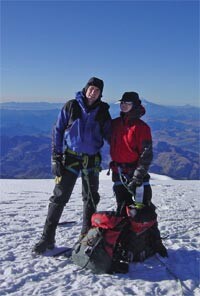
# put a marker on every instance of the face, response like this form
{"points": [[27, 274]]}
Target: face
{"points": [[126, 106], [92, 94]]}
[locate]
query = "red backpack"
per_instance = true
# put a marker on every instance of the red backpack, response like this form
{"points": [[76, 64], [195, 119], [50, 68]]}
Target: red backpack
{"points": [[113, 241]]}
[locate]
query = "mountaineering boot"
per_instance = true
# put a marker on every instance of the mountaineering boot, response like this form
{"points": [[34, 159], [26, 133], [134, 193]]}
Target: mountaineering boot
{"points": [[42, 246], [47, 240], [160, 248]]}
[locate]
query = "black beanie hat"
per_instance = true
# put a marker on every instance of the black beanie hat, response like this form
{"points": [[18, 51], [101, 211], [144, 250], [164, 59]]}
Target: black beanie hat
{"points": [[95, 82], [131, 97]]}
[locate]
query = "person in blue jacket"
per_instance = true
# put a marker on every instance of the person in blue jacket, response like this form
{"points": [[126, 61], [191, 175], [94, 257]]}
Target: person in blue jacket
{"points": [[78, 135]]}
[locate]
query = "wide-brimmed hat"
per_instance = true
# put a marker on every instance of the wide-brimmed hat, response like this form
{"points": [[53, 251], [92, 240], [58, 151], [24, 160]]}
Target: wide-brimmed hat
{"points": [[132, 97]]}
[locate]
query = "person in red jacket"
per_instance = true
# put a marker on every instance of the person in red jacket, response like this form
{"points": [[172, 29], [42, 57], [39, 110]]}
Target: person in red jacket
{"points": [[132, 153]]}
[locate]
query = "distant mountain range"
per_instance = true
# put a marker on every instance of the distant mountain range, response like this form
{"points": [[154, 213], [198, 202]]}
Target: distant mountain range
{"points": [[26, 139]]}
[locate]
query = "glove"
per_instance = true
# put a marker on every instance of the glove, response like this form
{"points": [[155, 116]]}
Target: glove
{"points": [[57, 166], [135, 182]]}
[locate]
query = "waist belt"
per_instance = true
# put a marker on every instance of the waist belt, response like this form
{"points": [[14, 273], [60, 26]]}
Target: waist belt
{"points": [[78, 154], [69, 151], [123, 165], [85, 161], [114, 165]]}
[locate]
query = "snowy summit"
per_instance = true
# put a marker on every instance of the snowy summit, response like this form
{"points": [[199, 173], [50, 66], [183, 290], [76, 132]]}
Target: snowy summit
{"points": [[23, 211]]}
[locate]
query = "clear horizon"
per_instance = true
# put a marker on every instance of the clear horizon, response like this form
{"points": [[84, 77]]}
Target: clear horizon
{"points": [[115, 102], [51, 48]]}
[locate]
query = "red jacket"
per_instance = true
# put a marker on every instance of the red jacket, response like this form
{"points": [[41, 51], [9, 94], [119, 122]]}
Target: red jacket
{"points": [[131, 140]]}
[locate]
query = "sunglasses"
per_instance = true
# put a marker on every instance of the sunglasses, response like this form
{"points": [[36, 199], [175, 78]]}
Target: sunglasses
{"points": [[126, 103]]}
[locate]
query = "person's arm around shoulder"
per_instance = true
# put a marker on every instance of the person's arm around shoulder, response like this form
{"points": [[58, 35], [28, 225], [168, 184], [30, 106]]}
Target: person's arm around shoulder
{"points": [[105, 121]]}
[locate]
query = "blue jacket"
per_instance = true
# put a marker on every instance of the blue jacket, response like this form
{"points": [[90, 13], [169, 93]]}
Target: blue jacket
{"points": [[86, 133]]}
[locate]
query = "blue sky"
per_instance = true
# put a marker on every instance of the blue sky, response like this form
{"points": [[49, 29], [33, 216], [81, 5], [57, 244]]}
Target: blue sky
{"points": [[51, 48]]}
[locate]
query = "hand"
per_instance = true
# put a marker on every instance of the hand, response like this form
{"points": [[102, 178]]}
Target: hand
{"points": [[135, 182], [57, 166]]}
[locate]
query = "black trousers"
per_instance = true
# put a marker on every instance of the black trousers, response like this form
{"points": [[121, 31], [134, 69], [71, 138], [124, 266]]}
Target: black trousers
{"points": [[124, 197], [89, 168]]}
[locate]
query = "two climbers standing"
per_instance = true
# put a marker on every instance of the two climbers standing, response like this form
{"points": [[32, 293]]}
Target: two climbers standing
{"points": [[81, 128]]}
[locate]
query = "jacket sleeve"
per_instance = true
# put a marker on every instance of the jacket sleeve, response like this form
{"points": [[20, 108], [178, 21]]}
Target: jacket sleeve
{"points": [[145, 149], [104, 119], [58, 131]]}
